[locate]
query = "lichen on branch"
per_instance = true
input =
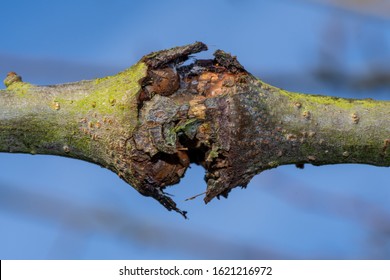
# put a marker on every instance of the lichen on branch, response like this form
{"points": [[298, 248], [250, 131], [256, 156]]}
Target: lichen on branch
{"points": [[151, 121]]}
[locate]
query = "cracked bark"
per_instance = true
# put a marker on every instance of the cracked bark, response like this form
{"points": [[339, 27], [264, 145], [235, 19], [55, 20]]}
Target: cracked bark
{"points": [[149, 122]]}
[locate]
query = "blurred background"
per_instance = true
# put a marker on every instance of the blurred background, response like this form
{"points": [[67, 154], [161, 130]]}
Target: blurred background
{"points": [[59, 208]]}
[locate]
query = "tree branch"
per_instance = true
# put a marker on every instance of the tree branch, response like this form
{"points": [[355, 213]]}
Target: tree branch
{"points": [[149, 122]]}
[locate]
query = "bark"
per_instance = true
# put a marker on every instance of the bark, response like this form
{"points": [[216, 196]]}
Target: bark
{"points": [[149, 122]]}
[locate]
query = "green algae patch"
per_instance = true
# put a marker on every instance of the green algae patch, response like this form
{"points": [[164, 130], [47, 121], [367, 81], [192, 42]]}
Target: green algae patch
{"points": [[313, 100], [116, 94], [19, 88]]}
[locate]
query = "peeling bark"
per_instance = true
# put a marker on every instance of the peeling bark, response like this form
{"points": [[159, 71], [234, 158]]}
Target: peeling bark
{"points": [[150, 122]]}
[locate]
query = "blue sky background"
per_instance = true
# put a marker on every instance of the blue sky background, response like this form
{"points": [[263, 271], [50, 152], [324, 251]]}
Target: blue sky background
{"points": [[59, 208]]}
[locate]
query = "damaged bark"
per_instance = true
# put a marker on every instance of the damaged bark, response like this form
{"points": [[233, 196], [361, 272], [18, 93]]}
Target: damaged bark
{"points": [[150, 122]]}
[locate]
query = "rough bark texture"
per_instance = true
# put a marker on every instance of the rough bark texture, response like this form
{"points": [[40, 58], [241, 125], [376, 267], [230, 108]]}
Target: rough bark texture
{"points": [[149, 122]]}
